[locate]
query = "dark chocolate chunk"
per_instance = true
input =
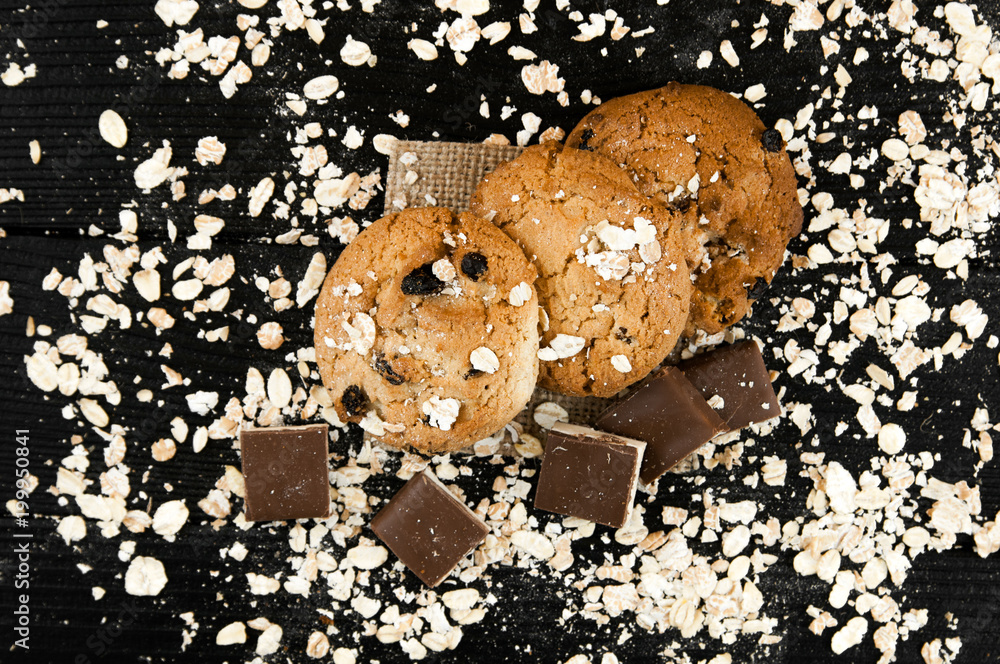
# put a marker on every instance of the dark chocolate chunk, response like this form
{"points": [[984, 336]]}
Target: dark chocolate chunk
{"points": [[354, 400], [679, 204], [422, 281], [737, 376], [585, 136], [286, 471], [669, 414], [428, 528], [760, 285], [771, 140], [622, 335], [387, 372], [472, 373], [474, 265], [589, 474]]}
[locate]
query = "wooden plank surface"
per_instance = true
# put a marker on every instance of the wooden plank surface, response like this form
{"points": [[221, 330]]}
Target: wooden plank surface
{"points": [[83, 182]]}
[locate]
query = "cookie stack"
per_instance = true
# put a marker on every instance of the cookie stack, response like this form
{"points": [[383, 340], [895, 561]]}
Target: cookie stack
{"points": [[580, 266]]}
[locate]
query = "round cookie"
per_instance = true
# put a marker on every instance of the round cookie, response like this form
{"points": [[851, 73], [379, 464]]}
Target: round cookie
{"points": [[418, 336], [613, 283], [703, 152]]}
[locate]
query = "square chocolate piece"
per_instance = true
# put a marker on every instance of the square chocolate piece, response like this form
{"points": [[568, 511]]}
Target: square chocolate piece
{"points": [[287, 472], [669, 414], [590, 474], [737, 375], [428, 528]]}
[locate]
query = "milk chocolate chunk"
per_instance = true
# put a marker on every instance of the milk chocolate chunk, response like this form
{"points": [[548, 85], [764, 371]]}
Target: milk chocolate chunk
{"points": [[737, 376], [669, 414], [590, 474], [287, 472], [428, 528]]}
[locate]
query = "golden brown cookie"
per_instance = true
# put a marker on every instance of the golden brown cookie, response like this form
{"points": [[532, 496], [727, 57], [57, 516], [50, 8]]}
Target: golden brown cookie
{"points": [[426, 330], [703, 152], [613, 282]]}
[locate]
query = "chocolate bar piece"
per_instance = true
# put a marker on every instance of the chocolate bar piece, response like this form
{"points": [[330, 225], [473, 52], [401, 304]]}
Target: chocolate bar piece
{"points": [[428, 528], [287, 472], [737, 376], [590, 474], [669, 414]]}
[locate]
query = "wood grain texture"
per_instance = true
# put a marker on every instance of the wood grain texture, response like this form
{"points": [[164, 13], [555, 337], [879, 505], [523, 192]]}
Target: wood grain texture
{"points": [[81, 182]]}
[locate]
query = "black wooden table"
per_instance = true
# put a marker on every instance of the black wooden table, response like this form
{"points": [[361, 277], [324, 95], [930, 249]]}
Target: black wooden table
{"points": [[81, 184]]}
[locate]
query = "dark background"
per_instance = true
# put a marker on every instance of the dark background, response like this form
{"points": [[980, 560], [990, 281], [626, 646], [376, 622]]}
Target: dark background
{"points": [[80, 182]]}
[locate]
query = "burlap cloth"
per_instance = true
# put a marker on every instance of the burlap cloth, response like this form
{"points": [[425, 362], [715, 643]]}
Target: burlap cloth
{"points": [[425, 174]]}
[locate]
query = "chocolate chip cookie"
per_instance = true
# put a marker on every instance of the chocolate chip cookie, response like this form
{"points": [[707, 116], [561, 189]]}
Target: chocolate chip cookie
{"points": [[613, 283], [427, 330], [705, 153]]}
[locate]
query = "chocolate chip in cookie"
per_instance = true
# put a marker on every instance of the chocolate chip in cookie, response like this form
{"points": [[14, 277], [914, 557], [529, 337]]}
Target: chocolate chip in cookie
{"points": [[355, 400], [474, 265], [387, 372], [422, 282], [771, 140], [757, 289]]}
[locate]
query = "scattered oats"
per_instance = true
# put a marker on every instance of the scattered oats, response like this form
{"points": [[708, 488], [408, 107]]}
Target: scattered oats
{"points": [[318, 645], [321, 87], [6, 302], [533, 543], [147, 284], [728, 53], [547, 413], [145, 576], [269, 335], [355, 53], [484, 359], [520, 294], [260, 195], [755, 93], [175, 12], [911, 127], [269, 641], [528, 446], [891, 438], [443, 270], [561, 346], [279, 388], [35, 151], [72, 528], [367, 556], [441, 413], [93, 412], [169, 518], [704, 60], [384, 143], [496, 31], [774, 470], [734, 541], [423, 49], [154, 171], [849, 635], [231, 634], [210, 150], [311, 280], [842, 164], [621, 363], [542, 78]]}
